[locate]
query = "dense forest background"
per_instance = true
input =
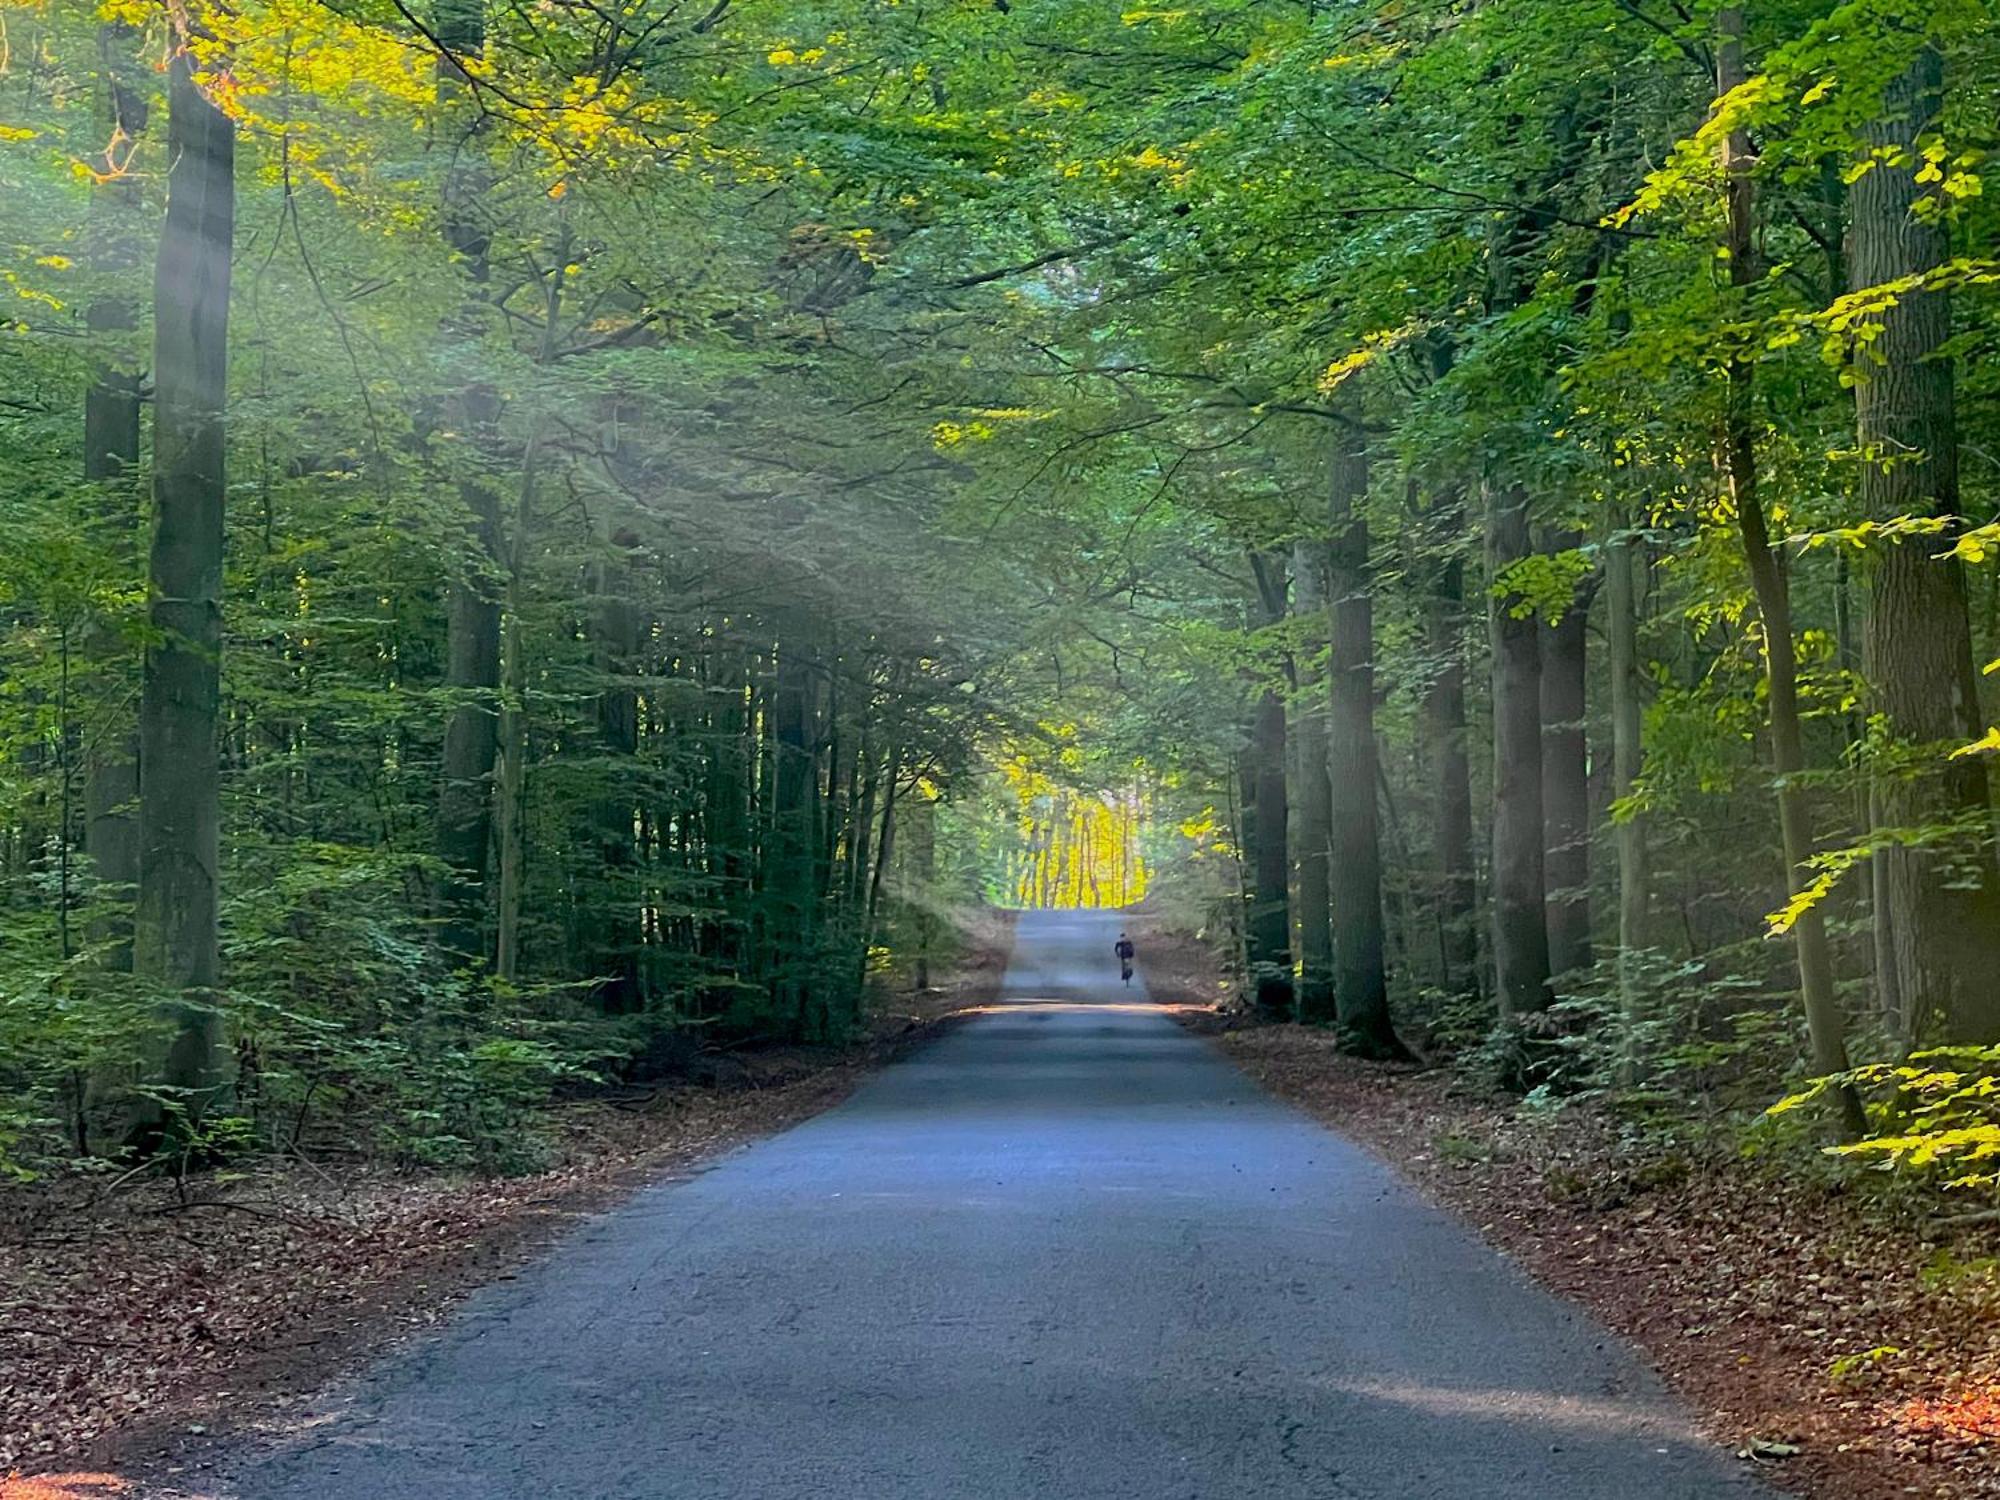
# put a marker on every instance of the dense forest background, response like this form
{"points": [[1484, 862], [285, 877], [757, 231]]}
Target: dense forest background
{"points": [[537, 536]]}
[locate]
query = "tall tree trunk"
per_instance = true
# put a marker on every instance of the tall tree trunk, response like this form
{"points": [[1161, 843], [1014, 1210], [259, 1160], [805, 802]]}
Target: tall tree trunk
{"points": [[1312, 800], [510, 794], [726, 771], [1824, 1022], [1882, 930], [615, 936], [1566, 781], [922, 883], [510, 780], [885, 840], [1361, 986], [1520, 930], [1444, 730], [466, 791], [861, 827], [835, 806], [176, 946], [471, 733], [1624, 557], [111, 408], [1943, 914], [790, 858], [1269, 923]]}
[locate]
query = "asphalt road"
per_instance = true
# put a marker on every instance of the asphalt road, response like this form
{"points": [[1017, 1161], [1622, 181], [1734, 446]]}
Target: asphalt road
{"points": [[1067, 1252]]}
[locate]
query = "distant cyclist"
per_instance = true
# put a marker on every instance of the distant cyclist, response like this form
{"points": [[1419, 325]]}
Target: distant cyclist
{"points": [[1125, 951]]}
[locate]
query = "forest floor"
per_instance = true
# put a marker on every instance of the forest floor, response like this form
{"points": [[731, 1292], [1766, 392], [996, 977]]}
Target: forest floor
{"points": [[140, 1326], [1824, 1334]]}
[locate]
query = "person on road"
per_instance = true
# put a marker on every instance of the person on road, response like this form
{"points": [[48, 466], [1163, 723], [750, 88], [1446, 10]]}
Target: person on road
{"points": [[1125, 951]]}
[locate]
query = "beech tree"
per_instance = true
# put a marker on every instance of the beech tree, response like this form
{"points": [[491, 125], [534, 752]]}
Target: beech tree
{"points": [[176, 941]]}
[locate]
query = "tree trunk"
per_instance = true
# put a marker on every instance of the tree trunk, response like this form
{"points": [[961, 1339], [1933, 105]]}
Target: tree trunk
{"points": [[1566, 781], [466, 792], [1520, 931], [511, 759], [1361, 987], [111, 408], [510, 786], [1443, 724], [861, 829], [885, 840], [1269, 923], [1625, 556], [726, 772], [176, 947], [614, 948], [922, 892], [791, 857], [471, 734], [1825, 1024], [1943, 914], [1882, 931], [1312, 801]]}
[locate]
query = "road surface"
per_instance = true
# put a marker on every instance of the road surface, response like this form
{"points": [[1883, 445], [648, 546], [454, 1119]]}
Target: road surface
{"points": [[1068, 1253]]}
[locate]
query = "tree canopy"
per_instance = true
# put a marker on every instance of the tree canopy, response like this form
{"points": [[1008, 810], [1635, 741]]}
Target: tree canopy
{"points": [[530, 533]]}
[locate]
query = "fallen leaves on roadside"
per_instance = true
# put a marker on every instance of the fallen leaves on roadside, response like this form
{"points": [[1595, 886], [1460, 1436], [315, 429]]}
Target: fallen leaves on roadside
{"points": [[113, 1305], [61, 1487], [1973, 1416], [1778, 1307], [133, 1310]]}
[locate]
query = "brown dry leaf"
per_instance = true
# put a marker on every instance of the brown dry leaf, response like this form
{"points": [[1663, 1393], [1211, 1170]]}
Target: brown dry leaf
{"points": [[130, 1315], [1749, 1294], [61, 1487]]}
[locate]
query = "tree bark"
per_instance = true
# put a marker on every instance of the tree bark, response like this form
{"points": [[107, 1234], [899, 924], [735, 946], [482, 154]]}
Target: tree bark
{"points": [[726, 781], [1443, 720], [511, 757], [1943, 900], [1520, 930], [1312, 800], [1624, 557], [471, 734], [466, 791], [922, 892], [885, 840], [111, 451], [1825, 1024], [861, 826], [510, 780], [1269, 922], [1361, 985], [176, 946], [790, 856], [614, 949], [1566, 781]]}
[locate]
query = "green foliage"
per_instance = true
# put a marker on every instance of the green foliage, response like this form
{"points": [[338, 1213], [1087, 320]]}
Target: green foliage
{"points": [[1544, 585], [1934, 1117], [853, 392], [479, 1108], [1649, 1031]]}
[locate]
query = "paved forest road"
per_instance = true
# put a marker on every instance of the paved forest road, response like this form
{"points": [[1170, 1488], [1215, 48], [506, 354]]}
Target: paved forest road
{"points": [[1067, 1253]]}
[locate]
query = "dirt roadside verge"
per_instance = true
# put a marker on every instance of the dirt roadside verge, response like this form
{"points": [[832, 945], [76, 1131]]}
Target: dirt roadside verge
{"points": [[1179, 968], [1847, 1353], [139, 1330]]}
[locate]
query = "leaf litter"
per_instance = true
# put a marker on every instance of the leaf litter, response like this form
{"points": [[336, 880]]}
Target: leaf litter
{"points": [[1850, 1352], [138, 1327]]}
